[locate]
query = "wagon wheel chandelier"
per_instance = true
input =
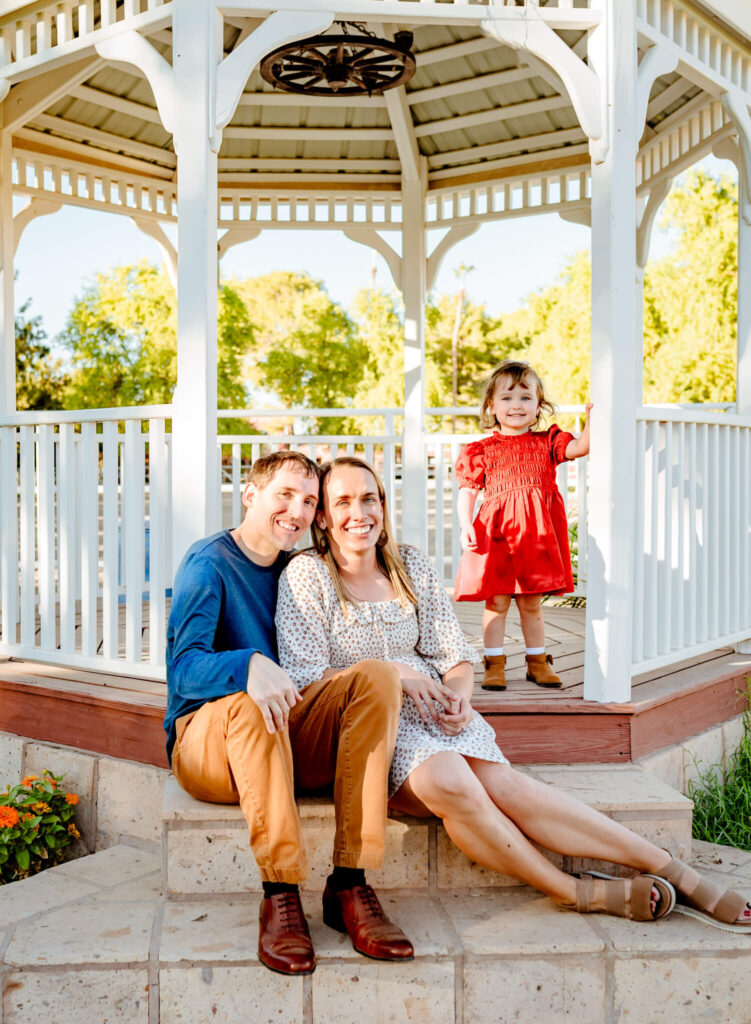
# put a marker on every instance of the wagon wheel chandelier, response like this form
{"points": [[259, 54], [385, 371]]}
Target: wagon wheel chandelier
{"points": [[341, 65]]}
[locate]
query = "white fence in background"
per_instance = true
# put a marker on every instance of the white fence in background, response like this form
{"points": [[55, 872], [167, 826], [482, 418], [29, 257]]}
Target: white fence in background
{"points": [[85, 523], [85, 513], [692, 572]]}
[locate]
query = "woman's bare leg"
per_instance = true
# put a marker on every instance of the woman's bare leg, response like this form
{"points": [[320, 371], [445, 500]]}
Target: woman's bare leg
{"points": [[562, 823], [494, 620], [531, 619], [446, 786]]}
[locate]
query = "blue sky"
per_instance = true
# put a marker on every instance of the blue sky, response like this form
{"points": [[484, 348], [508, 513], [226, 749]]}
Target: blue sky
{"points": [[59, 253]]}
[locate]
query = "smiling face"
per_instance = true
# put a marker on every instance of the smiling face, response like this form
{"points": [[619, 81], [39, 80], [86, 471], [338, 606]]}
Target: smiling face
{"points": [[352, 512], [515, 406], [279, 513]]}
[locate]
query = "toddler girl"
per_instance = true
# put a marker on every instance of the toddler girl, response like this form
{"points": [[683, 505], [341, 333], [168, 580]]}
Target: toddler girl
{"points": [[518, 544]]}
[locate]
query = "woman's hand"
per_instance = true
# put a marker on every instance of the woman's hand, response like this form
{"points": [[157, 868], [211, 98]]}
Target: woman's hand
{"points": [[458, 717], [424, 691]]}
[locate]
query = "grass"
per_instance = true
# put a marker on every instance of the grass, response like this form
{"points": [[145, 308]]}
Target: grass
{"points": [[722, 798]]}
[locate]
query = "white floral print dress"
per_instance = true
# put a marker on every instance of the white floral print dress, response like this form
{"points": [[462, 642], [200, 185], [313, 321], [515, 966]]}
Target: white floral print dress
{"points": [[314, 633]]}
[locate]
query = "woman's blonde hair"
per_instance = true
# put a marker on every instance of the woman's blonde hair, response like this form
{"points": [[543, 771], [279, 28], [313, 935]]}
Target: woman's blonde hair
{"points": [[517, 373], [387, 551]]}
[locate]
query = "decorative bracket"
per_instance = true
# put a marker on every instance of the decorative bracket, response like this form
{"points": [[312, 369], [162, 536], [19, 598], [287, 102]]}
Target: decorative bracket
{"points": [[367, 236], [657, 61], [154, 230], [583, 85], [646, 221], [279, 28], [580, 215], [33, 209], [234, 236], [437, 256], [737, 108], [132, 48]]}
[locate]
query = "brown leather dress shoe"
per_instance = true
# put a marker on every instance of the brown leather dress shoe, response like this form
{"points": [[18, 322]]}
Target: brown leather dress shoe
{"points": [[358, 912], [284, 942]]}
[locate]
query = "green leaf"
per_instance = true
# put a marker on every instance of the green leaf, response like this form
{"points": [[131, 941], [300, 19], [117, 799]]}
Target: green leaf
{"points": [[23, 859]]}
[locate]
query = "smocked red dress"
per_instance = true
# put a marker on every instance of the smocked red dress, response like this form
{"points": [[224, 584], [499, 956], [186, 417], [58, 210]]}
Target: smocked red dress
{"points": [[521, 528]]}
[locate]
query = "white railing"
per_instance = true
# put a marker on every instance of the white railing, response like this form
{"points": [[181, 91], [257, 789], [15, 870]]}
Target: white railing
{"points": [[692, 589], [85, 516]]}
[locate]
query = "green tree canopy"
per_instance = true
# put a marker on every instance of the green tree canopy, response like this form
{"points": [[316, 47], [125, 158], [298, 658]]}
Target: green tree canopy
{"points": [[122, 339], [40, 379]]}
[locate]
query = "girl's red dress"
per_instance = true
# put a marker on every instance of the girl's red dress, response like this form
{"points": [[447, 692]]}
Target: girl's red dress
{"points": [[521, 528]]}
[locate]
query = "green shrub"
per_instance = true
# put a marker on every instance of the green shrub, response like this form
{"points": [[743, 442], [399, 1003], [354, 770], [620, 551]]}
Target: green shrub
{"points": [[36, 825], [722, 798]]}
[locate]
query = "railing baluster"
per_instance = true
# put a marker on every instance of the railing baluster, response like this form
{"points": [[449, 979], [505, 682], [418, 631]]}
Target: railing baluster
{"points": [[714, 532], [46, 537], [679, 533], [89, 527], [133, 529], [692, 539], [27, 562], [582, 534], [440, 525], [651, 532], [67, 527], [637, 625], [236, 484], [9, 521], [159, 539], [110, 582]]}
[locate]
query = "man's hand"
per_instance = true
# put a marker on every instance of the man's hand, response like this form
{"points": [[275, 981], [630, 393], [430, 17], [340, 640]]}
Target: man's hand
{"points": [[272, 690]]}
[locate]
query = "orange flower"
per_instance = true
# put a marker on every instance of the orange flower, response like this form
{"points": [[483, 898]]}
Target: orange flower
{"points": [[40, 806], [29, 779], [26, 817], [8, 817], [73, 831], [52, 783], [71, 798]]}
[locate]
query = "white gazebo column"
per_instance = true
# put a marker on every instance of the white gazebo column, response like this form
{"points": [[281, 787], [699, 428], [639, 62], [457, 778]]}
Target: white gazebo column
{"points": [[7, 251], [197, 31], [607, 665], [414, 475]]}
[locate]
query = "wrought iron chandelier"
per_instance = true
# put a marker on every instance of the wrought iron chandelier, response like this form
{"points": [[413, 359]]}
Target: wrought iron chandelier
{"points": [[347, 64]]}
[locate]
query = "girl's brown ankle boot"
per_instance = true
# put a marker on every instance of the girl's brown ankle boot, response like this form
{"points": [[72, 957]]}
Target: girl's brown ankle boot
{"points": [[495, 672], [539, 670]]}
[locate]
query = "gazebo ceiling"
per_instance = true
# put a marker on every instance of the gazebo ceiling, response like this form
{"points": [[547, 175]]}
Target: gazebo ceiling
{"points": [[480, 111]]}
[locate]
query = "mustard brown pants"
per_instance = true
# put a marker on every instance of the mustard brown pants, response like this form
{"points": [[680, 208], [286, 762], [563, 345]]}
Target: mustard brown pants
{"points": [[342, 731]]}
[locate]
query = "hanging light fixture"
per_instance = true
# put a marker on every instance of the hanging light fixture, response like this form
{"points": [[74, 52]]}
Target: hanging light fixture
{"points": [[347, 64]]}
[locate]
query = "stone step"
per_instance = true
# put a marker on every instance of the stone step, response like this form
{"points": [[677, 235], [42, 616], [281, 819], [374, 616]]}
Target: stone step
{"points": [[93, 940], [205, 846]]}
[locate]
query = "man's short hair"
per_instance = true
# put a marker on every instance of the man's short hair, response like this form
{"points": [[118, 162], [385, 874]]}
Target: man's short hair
{"points": [[264, 469]]}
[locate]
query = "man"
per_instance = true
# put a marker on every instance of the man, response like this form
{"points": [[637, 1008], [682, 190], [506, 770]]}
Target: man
{"points": [[235, 721]]}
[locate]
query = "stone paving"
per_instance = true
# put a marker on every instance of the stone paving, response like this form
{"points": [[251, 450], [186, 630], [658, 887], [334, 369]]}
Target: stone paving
{"points": [[96, 941]]}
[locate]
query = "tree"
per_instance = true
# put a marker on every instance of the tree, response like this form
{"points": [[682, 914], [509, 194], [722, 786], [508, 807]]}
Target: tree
{"points": [[122, 337], [40, 379], [378, 316], [307, 350]]}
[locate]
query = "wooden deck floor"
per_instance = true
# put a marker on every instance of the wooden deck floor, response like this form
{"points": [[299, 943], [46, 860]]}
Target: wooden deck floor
{"points": [[121, 715]]}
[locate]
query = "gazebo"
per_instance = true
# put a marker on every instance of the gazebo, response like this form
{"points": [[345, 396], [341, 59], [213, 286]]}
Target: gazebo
{"points": [[156, 110]]}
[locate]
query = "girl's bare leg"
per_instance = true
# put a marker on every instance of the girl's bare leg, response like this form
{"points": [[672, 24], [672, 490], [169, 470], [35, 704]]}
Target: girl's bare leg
{"points": [[531, 619], [447, 786], [494, 620]]}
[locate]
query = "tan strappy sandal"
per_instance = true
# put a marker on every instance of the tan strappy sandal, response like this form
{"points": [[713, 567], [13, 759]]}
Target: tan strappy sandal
{"points": [[626, 897], [728, 903]]}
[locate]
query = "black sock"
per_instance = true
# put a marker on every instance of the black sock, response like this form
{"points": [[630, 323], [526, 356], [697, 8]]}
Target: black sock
{"points": [[276, 888], [346, 878]]}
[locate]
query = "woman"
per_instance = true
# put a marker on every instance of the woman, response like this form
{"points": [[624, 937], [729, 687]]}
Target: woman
{"points": [[357, 596]]}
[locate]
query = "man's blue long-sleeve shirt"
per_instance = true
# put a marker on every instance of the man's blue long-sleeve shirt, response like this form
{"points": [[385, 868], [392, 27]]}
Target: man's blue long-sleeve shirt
{"points": [[222, 612]]}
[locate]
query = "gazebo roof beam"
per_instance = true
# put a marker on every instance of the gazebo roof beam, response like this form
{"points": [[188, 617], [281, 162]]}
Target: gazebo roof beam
{"points": [[118, 103], [288, 99], [44, 143], [291, 164], [493, 149], [506, 165], [454, 50], [294, 180], [667, 96], [475, 84], [302, 134], [29, 98], [450, 124], [106, 140]]}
